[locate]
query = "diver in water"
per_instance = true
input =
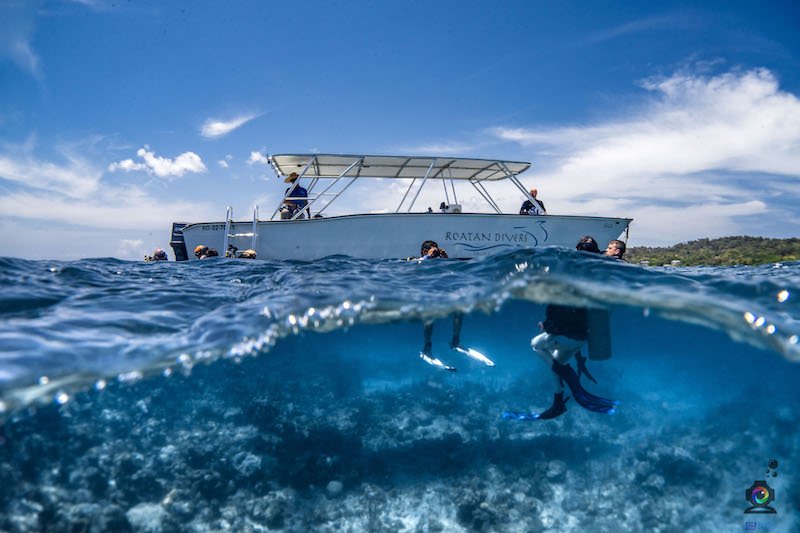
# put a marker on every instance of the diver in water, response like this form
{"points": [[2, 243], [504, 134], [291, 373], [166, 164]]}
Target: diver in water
{"points": [[616, 249], [431, 250], [158, 255], [565, 329], [202, 251]]}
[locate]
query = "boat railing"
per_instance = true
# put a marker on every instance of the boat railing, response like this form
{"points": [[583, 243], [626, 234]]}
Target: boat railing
{"points": [[229, 223]]}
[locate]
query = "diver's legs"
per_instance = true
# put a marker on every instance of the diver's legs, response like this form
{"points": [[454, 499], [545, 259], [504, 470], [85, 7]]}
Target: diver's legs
{"points": [[427, 349], [458, 321], [427, 333], [544, 346]]}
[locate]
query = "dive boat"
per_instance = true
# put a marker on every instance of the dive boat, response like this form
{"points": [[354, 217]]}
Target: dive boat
{"points": [[398, 234]]}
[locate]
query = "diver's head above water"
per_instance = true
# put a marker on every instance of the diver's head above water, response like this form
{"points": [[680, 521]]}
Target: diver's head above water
{"points": [[431, 250], [615, 249], [587, 244]]}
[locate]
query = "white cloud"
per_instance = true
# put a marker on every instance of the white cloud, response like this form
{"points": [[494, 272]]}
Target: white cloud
{"points": [[66, 209], [224, 162], [131, 248], [680, 154], [257, 157], [161, 166], [217, 128], [77, 178], [17, 28], [438, 148], [25, 57], [127, 165]]}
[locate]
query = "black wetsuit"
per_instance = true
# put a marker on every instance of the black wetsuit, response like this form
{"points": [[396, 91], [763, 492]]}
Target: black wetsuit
{"points": [[527, 205], [567, 321]]}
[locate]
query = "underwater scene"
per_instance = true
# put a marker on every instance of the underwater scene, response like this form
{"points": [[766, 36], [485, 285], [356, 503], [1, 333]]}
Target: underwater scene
{"points": [[241, 395]]}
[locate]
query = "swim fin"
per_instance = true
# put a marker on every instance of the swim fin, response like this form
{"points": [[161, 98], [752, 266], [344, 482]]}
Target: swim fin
{"points": [[582, 368], [433, 361], [474, 354], [558, 408], [585, 399]]}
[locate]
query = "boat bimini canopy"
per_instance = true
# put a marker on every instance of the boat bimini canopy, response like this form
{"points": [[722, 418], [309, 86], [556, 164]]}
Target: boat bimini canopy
{"points": [[344, 170]]}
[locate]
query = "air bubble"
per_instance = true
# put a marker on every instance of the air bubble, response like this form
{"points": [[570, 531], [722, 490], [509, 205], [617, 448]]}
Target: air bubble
{"points": [[793, 339], [100, 384], [771, 329], [760, 321], [3, 407], [62, 398], [783, 296], [44, 380], [749, 317]]}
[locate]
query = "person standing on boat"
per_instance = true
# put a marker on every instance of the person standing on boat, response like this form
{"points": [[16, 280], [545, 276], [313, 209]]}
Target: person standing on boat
{"points": [[298, 196], [533, 208], [428, 251], [565, 330]]}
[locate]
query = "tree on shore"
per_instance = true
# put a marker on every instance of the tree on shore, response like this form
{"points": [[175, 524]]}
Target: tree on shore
{"points": [[725, 251]]}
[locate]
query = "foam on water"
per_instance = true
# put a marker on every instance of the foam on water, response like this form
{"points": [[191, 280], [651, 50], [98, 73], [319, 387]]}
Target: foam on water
{"points": [[74, 323]]}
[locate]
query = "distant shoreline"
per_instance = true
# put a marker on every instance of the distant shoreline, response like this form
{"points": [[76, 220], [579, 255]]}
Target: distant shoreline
{"points": [[725, 251]]}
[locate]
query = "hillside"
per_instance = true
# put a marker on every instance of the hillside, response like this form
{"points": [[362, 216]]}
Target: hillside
{"points": [[725, 251]]}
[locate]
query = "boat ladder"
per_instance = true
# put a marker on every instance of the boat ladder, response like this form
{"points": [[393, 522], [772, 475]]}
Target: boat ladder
{"points": [[227, 245]]}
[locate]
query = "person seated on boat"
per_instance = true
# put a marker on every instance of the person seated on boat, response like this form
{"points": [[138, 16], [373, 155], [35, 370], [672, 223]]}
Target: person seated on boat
{"points": [[565, 329], [298, 195], [158, 255], [248, 254], [616, 249], [532, 208]]}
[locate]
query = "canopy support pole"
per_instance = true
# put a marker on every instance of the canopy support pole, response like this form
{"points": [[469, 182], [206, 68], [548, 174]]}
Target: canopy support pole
{"points": [[358, 161], [421, 185], [405, 195], [483, 192], [291, 189], [513, 178]]}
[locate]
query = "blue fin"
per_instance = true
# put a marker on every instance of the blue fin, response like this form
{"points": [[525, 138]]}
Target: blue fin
{"points": [[585, 399]]}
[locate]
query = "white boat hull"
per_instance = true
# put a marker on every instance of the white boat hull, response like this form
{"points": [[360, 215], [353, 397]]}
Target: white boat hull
{"points": [[385, 236]]}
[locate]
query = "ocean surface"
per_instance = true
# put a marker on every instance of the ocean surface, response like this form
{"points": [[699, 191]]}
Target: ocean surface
{"points": [[261, 396]]}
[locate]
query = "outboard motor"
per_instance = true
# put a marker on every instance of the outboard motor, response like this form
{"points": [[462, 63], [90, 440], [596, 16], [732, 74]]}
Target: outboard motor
{"points": [[177, 242]]}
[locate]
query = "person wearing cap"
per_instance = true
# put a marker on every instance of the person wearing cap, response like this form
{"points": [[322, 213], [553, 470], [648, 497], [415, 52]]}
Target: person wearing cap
{"points": [[298, 196], [532, 208], [201, 251]]}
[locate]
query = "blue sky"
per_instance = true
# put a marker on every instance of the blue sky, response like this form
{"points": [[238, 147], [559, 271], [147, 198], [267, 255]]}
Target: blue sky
{"points": [[117, 117]]}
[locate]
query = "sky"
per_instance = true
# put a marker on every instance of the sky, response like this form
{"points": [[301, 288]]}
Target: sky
{"points": [[119, 117]]}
